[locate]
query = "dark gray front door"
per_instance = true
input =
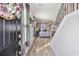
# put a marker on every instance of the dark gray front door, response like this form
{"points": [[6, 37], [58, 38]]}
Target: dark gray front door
{"points": [[9, 36]]}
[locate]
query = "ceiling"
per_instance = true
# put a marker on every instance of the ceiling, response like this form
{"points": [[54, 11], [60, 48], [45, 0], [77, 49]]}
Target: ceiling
{"points": [[44, 11]]}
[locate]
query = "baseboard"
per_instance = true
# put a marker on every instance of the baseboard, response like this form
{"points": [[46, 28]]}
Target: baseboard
{"points": [[54, 50], [30, 48]]}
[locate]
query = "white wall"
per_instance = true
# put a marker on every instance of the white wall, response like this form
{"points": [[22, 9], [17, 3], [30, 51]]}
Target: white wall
{"points": [[66, 39], [31, 34]]}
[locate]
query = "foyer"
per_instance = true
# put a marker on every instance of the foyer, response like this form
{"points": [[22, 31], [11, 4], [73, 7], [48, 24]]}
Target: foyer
{"points": [[39, 29], [43, 43]]}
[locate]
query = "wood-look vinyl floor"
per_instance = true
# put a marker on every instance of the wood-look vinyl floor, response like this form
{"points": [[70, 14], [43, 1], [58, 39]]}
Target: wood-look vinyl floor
{"points": [[41, 48]]}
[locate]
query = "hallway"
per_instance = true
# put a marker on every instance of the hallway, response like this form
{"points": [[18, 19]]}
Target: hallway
{"points": [[41, 48]]}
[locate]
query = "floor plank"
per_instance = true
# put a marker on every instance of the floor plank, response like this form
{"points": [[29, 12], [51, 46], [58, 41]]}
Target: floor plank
{"points": [[40, 48]]}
